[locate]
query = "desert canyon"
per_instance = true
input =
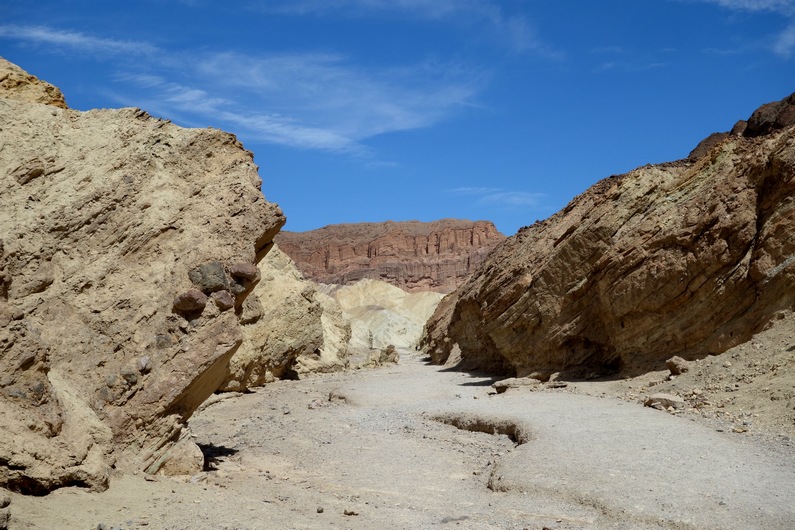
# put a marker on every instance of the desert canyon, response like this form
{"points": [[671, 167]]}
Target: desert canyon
{"points": [[170, 360]]}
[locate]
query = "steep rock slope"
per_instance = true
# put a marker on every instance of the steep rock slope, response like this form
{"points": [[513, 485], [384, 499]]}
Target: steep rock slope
{"points": [[288, 327], [688, 258], [382, 314], [412, 255], [128, 246]]}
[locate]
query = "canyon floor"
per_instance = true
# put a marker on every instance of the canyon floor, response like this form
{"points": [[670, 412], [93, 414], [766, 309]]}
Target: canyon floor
{"points": [[379, 449]]}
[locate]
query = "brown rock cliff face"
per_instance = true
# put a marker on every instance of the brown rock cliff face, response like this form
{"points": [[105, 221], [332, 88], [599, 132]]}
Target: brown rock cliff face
{"points": [[412, 255], [128, 248], [689, 259]]}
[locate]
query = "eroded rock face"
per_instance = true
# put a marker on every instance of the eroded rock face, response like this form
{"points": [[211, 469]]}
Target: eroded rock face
{"points": [[289, 328], [108, 338], [687, 259], [383, 315], [412, 255], [16, 83]]}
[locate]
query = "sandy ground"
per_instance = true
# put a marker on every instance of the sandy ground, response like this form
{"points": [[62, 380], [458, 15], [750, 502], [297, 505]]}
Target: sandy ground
{"points": [[379, 449]]}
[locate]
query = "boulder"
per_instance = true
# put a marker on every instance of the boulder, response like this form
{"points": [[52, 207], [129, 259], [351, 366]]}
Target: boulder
{"points": [[688, 258], [107, 342], [677, 365], [771, 117], [664, 401]]}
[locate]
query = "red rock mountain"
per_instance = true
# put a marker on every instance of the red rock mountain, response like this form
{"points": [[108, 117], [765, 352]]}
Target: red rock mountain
{"points": [[687, 258], [412, 255]]}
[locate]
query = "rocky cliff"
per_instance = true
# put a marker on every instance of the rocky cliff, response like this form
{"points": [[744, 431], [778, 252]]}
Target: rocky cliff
{"points": [[128, 248], [687, 258], [412, 255], [382, 315], [289, 328]]}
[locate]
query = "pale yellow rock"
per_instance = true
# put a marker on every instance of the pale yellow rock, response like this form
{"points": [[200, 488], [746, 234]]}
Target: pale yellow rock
{"points": [[382, 314], [293, 329], [103, 214]]}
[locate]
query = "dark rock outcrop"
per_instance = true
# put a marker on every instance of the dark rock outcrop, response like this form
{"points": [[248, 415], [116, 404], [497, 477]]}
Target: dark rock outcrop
{"points": [[412, 255], [687, 258]]}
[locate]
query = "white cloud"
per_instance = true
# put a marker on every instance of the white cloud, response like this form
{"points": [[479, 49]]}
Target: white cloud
{"points": [[784, 43], [313, 101], [756, 5], [514, 29], [75, 40], [502, 197], [328, 93]]}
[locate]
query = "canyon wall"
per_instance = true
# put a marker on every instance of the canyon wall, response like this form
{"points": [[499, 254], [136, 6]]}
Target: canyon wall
{"points": [[128, 248], [412, 255], [289, 328], [688, 258]]}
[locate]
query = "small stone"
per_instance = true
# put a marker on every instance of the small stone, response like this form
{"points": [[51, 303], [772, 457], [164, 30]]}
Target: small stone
{"points": [[350, 512], [248, 271], [102, 526], [190, 300], [144, 364], [209, 277], [664, 401], [727, 364], [677, 365], [223, 299], [130, 376], [515, 382], [319, 509], [5, 500]]}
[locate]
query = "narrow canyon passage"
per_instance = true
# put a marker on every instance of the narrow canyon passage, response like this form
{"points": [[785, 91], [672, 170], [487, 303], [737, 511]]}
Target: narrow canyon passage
{"points": [[378, 449]]}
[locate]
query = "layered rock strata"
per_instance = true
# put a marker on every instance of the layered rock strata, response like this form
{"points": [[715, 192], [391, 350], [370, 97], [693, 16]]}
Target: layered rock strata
{"points": [[412, 255], [687, 258], [128, 249], [289, 329]]}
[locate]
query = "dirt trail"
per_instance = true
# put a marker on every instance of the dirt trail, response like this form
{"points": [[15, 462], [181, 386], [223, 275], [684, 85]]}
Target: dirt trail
{"points": [[379, 445]]}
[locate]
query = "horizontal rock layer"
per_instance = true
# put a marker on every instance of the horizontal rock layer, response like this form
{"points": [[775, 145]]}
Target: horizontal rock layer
{"points": [[412, 255], [128, 248], [688, 258]]}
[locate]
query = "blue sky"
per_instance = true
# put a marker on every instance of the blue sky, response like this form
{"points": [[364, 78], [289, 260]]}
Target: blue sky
{"points": [[372, 110]]}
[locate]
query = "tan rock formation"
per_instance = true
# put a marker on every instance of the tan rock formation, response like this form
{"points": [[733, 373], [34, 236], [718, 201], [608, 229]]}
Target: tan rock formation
{"points": [[412, 255], [289, 328], [127, 245], [16, 83], [688, 259], [382, 314]]}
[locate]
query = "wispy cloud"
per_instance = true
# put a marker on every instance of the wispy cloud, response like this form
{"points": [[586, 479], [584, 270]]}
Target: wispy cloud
{"points": [[502, 197], [334, 94], [516, 30], [75, 40], [783, 44], [756, 5], [304, 100]]}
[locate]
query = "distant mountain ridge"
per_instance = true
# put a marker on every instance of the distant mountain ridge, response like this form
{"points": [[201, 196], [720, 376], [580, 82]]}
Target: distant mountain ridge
{"points": [[413, 255]]}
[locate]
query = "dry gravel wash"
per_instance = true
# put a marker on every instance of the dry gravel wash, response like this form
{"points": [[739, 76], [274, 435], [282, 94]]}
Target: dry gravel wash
{"points": [[303, 454]]}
